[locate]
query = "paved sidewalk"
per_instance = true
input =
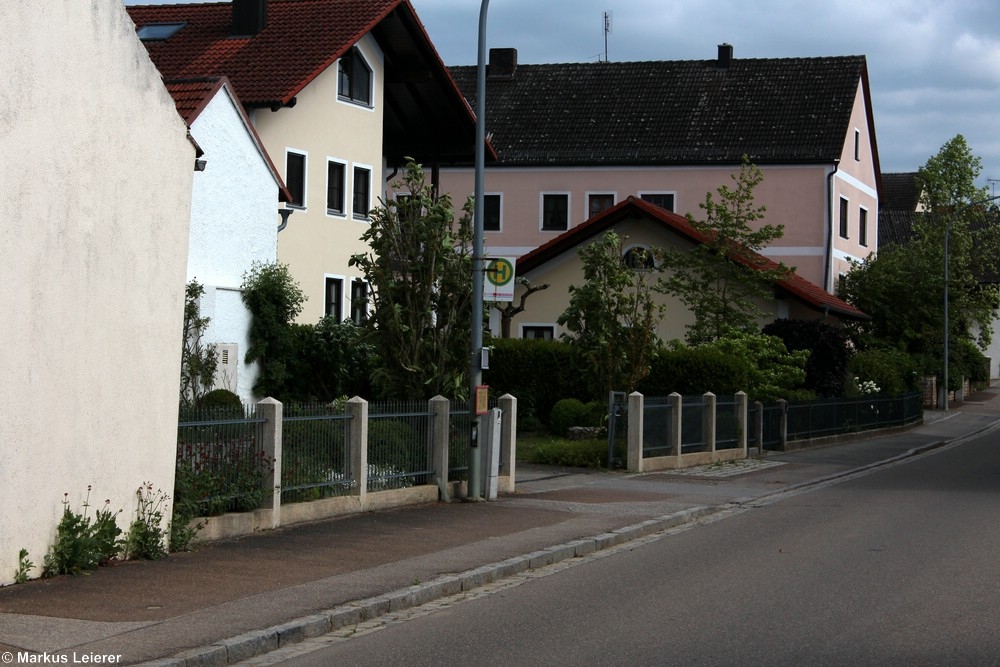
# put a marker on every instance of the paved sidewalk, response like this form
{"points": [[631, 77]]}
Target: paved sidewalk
{"points": [[228, 601]]}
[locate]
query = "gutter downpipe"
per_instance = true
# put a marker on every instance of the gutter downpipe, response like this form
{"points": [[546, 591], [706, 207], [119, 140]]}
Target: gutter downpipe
{"points": [[476, 370], [828, 268]]}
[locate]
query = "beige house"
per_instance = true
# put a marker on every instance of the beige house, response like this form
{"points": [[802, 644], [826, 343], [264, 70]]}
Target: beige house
{"points": [[575, 139], [644, 225], [97, 171], [340, 92]]}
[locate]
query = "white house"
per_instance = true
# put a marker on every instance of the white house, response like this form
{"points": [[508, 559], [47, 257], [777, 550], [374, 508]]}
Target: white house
{"points": [[97, 176], [234, 218]]}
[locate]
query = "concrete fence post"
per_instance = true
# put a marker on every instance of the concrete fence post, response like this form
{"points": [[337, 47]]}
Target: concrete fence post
{"points": [[508, 441], [635, 425], [783, 425], [440, 427], [357, 408], [708, 416], [741, 421], [271, 411], [758, 426], [676, 414]]}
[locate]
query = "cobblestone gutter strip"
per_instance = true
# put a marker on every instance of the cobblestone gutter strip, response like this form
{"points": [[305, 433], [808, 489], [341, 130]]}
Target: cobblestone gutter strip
{"points": [[247, 645]]}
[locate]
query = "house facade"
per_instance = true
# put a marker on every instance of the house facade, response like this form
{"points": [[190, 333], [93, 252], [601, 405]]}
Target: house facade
{"points": [[643, 225], [233, 201], [340, 92], [93, 270], [670, 133]]}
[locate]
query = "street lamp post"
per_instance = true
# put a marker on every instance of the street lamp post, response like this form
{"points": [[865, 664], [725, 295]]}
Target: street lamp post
{"points": [[476, 370], [947, 233]]}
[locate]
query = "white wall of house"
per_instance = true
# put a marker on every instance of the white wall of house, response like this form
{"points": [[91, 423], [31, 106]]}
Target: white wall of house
{"points": [[234, 222], [317, 243], [97, 192]]}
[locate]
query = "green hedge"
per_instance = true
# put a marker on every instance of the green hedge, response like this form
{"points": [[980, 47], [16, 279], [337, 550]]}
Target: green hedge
{"points": [[694, 371], [537, 372]]}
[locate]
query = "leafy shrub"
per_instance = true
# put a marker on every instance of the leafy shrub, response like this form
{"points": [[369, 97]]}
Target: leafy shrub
{"points": [[557, 451], [830, 353], [698, 370], [146, 538], [893, 371], [971, 363], [772, 371], [220, 399], [566, 413], [537, 372]]}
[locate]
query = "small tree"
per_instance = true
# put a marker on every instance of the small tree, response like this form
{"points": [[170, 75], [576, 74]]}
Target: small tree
{"points": [[720, 279], [198, 361], [274, 300], [612, 318], [420, 270], [509, 310]]}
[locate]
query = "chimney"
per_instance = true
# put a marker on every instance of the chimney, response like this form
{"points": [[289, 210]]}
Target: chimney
{"points": [[502, 65], [725, 56], [249, 17]]}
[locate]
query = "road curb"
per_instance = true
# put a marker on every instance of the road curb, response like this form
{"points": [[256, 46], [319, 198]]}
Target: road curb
{"points": [[250, 644]]}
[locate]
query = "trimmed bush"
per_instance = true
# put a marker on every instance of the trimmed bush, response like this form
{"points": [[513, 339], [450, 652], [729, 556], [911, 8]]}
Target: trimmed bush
{"points": [[567, 412], [893, 371], [537, 372], [694, 371]]}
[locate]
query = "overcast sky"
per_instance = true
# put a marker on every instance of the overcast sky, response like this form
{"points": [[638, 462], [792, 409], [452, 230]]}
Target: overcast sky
{"points": [[934, 65]]}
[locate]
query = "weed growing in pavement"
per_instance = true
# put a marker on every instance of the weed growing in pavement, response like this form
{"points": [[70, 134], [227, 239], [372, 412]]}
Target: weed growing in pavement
{"points": [[81, 543], [24, 566], [146, 537]]}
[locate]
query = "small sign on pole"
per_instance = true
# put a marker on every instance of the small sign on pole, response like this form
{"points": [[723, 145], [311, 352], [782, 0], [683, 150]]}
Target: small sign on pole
{"points": [[482, 399], [499, 283]]}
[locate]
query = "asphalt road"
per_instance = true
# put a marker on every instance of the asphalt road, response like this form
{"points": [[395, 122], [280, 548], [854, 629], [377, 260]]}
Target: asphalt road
{"points": [[897, 567]]}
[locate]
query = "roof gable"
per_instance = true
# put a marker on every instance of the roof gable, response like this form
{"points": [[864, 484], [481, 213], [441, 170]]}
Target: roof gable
{"points": [[794, 285], [191, 96], [671, 112]]}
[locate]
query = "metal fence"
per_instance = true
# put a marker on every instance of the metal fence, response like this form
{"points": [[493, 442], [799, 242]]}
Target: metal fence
{"points": [[803, 420], [400, 450], [221, 466], [315, 459], [834, 416]]}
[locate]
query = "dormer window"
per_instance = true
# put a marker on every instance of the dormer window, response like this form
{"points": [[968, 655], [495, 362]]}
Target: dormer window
{"points": [[158, 32], [355, 78]]}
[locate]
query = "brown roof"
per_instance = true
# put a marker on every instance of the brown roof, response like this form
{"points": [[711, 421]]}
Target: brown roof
{"points": [[773, 110], [794, 285], [425, 114]]}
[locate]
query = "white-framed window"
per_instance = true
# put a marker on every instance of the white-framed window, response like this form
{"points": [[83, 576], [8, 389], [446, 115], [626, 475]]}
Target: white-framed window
{"points": [[863, 226], [492, 212], [845, 206], [354, 82], [333, 297], [598, 202], [336, 187], [554, 211], [295, 177], [665, 200], [361, 189], [538, 331]]}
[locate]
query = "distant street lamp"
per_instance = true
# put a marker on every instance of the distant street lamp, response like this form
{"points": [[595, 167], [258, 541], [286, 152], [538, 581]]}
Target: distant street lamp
{"points": [[947, 233], [476, 370]]}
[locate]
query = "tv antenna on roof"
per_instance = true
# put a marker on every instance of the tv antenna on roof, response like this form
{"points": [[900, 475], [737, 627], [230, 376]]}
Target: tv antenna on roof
{"points": [[993, 185], [607, 31]]}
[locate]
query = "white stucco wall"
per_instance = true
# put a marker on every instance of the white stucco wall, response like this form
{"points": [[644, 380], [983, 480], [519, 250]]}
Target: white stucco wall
{"points": [[234, 222], [97, 183]]}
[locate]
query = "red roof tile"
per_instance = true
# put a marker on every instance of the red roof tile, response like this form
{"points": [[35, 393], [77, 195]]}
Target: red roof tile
{"points": [[795, 285], [301, 39]]}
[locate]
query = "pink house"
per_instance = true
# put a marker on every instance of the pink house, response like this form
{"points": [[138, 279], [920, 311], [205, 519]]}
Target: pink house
{"points": [[575, 139]]}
